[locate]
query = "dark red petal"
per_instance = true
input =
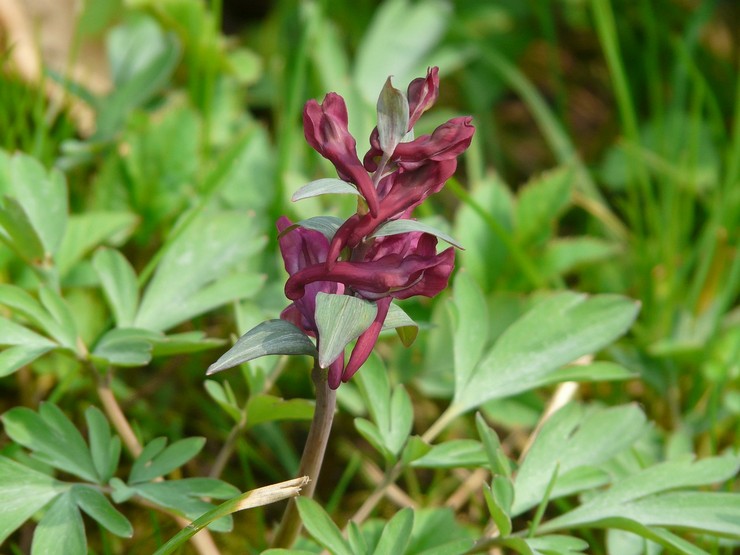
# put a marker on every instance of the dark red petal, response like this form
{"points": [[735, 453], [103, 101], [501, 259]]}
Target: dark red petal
{"points": [[367, 340]]}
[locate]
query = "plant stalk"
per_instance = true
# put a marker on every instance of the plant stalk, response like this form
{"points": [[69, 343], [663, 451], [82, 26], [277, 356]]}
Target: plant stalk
{"points": [[312, 458]]}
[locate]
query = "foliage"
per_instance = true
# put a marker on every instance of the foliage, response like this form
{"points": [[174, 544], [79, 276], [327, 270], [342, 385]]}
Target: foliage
{"points": [[575, 390]]}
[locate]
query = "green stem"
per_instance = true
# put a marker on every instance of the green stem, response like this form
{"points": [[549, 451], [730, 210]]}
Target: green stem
{"points": [[313, 456]]}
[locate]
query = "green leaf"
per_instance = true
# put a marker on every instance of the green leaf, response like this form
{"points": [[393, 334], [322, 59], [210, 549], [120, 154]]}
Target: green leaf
{"points": [[327, 225], [88, 230], [399, 37], [59, 310], [199, 262], [183, 343], [216, 391], [437, 532], [15, 334], [497, 459], [165, 461], [340, 319], [469, 315], [22, 303], [643, 499], [126, 347], [560, 545], [539, 203], [565, 254], [52, 438], [405, 327], [24, 492], [321, 527], [42, 195], [274, 337], [182, 496], [104, 448], [555, 332], [396, 533], [599, 371], [328, 185], [268, 408], [99, 508], [17, 230], [60, 530], [570, 439], [17, 357], [393, 117], [499, 512], [395, 227], [452, 454], [118, 279], [141, 59]]}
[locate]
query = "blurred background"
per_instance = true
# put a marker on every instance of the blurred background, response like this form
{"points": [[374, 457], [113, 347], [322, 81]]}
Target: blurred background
{"points": [[606, 160]]}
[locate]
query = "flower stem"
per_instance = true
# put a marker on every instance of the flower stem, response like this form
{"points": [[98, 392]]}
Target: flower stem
{"points": [[313, 456]]}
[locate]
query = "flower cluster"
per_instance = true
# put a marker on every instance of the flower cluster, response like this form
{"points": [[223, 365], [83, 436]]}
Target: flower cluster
{"points": [[393, 178]]}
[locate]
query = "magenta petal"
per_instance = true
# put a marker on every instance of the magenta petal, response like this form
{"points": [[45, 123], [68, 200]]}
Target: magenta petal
{"points": [[422, 94], [367, 340]]}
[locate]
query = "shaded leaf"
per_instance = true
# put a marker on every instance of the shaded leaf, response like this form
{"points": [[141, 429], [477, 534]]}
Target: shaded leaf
{"points": [[24, 492], [396, 533], [452, 454], [395, 227], [274, 337], [60, 530], [340, 319], [267, 408], [99, 508], [328, 185], [118, 279], [166, 460], [321, 527]]}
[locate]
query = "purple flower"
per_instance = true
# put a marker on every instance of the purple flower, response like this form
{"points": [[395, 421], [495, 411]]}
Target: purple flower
{"points": [[325, 128], [377, 269]]}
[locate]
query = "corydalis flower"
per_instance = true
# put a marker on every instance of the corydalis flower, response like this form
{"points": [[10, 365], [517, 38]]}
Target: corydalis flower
{"points": [[392, 182]]}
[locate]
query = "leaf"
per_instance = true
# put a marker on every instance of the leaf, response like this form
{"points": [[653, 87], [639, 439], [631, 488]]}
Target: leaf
{"points": [[340, 319], [499, 513], [539, 203], [643, 499], [165, 461], [17, 230], [437, 532], [199, 262], [555, 332], [182, 496], [25, 305], [405, 327], [104, 448], [393, 117], [327, 225], [127, 347], [99, 508], [60, 530], [570, 439], [395, 227], [274, 337], [59, 310], [469, 315], [118, 279], [182, 343], [452, 454], [42, 195], [599, 371], [24, 492], [88, 230], [141, 59], [15, 334], [562, 545], [321, 527], [566, 254], [325, 186], [52, 438], [497, 460], [216, 391], [17, 357], [396, 533], [267, 408], [396, 42]]}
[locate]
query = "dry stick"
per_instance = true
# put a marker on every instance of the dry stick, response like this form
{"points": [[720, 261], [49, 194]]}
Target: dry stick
{"points": [[313, 456], [203, 541]]}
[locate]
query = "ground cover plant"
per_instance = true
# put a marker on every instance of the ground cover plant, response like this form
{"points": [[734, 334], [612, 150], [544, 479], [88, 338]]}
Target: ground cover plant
{"points": [[275, 300]]}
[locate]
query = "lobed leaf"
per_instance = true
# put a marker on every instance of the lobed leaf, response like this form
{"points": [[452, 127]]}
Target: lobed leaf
{"points": [[61, 529]]}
